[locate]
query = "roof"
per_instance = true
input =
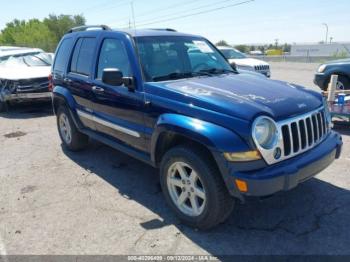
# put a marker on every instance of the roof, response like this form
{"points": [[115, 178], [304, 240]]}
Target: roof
{"points": [[138, 32], [152, 32], [225, 47]]}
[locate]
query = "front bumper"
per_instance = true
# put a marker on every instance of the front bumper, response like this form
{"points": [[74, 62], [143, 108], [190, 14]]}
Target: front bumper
{"points": [[289, 173], [321, 80], [26, 96]]}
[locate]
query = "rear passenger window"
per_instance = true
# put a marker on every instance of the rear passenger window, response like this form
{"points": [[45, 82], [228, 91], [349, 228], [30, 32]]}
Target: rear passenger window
{"points": [[62, 55], [113, 55], [83, 56]]}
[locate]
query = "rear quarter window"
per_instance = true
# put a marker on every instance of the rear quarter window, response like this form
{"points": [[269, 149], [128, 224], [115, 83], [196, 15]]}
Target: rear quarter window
{"points": [[62, 55], [83, 56]]}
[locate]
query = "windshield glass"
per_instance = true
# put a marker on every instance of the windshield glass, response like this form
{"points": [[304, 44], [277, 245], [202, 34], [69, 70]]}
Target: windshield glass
{"points": [[39, 59], [232, 54], [174, 57]]}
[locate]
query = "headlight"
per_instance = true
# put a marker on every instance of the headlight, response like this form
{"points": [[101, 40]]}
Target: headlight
{"points": [[265, 132], [321, 68]]}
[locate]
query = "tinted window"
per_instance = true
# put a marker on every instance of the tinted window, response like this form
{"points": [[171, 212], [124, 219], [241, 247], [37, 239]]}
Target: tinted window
{"points": [[63, 55], [113, 55], [170, 57], [83, 56]]}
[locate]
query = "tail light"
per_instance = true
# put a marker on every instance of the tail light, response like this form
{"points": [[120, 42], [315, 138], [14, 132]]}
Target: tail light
{"points": [[50, 83]]}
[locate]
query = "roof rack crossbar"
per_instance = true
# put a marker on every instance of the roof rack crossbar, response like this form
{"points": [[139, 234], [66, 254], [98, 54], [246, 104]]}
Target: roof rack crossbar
{"points": [[86, 27], [164, 29]]}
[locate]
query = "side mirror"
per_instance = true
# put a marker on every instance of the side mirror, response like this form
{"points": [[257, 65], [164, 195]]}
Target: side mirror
{"points": [[112, 76], [234, 66]]}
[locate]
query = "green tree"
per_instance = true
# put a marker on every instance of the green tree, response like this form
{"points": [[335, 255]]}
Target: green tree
{"points": [[222, 43], [59, 25], [242, 48], [40, 34]]}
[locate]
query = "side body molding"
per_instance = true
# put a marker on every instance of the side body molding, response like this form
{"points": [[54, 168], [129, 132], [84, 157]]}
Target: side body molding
{"points": [[214, 137]]}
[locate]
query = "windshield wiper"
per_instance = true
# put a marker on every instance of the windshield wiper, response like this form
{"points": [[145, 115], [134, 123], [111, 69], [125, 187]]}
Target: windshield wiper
{"points": [[217, 71], [176, 75]]}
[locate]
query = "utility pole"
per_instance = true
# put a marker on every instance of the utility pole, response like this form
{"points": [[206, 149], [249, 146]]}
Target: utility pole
{"points": [[326, 25], [133, 13]]}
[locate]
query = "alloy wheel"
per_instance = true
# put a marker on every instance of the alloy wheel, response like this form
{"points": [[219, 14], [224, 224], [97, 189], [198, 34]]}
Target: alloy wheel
{"points": [[186, 189]]}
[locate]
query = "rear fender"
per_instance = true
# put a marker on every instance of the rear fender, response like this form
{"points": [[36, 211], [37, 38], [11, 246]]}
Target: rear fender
{"points": [[62, 95]]}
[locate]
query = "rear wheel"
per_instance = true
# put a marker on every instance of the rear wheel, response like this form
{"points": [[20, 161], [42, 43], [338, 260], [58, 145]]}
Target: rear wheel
{"points": [[70, 135], [193, 188]]}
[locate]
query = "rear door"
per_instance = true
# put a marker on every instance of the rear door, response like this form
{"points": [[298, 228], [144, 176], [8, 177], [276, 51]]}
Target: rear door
{"points": [[119, 111], [79, 79]]}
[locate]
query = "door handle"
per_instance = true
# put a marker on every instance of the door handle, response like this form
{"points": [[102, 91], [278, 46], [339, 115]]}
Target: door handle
{"points": [[97, 89], [67, 80]]}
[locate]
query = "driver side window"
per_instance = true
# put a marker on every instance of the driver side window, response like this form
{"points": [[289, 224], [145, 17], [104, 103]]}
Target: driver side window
{"points": [[113, 55]]}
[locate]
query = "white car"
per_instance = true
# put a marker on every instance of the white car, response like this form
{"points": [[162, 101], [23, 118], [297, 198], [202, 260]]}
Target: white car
{"points": [[243, 62], [25, 77]]}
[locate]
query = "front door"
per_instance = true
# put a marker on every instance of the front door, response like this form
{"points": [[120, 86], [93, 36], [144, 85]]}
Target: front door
{"points": [[118, 111]]}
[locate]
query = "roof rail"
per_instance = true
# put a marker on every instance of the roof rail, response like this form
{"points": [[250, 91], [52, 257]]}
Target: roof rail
{"points": [[86, 27], [164, 29]]}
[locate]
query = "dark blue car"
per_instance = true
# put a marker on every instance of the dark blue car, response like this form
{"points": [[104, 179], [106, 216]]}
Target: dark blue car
{"points": [[337, 67], [216, 135]]}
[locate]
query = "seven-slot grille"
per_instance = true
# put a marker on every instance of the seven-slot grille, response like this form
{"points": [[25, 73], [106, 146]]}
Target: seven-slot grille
{"points": [[262, 68], [303, 133]]}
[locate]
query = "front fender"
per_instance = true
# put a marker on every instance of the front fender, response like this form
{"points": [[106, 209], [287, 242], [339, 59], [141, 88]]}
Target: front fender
{"points": [[214, 137]]}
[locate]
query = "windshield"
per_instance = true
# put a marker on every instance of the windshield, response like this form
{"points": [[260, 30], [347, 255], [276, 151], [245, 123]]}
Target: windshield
{"points": [[39, 59], [174, 57], [232, 54]]}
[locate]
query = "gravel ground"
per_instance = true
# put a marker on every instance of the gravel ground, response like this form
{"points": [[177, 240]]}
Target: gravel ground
{"points": [[100, 201]]}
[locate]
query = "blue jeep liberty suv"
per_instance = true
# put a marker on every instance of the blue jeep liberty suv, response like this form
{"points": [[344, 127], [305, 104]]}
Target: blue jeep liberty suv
{"points": [[173, 101]]}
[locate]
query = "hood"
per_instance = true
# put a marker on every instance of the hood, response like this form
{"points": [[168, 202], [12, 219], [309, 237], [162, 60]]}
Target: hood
{"points": [[24, 72], [339, 61], [248, 62], [242, 95]]}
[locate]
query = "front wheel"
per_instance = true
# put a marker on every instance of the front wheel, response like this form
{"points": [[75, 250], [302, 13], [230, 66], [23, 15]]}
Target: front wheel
{"points": [[3, 106], [343, 83], [70, 135], [193, 188]]}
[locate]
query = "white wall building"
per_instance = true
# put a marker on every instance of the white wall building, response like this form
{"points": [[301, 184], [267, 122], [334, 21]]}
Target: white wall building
{"points": [[321, 49]]}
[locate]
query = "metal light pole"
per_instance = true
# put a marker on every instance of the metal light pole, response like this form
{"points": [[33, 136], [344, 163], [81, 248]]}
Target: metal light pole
{"points": [[326, 32], [133, 13]]}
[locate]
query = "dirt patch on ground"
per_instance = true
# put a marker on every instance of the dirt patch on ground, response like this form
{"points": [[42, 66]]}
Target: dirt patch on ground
{"points": [[15, 134]]}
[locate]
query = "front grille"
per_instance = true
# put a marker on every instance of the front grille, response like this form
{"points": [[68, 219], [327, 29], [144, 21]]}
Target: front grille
{"points": [[262, 68], [34, 84], [303, 133]]}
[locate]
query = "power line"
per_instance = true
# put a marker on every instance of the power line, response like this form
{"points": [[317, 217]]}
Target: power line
{"points": [[152, 11], [193, 9], [149, 12], [104, 7], [196, 13]]}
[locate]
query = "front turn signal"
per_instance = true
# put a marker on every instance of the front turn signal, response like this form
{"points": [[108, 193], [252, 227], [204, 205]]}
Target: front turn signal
{"points": [[243, 156]]}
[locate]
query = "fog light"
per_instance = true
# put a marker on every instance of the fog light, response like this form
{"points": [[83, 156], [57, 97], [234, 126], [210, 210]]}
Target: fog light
{"points": [[242, 185]]}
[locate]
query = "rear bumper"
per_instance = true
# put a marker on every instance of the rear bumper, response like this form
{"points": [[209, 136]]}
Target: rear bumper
{"points": [[288, 174]]}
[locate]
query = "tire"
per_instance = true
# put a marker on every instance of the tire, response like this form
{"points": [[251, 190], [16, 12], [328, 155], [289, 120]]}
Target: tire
{"points": [[71, 138], [3, 106], [214, 204], [344, 82]]}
